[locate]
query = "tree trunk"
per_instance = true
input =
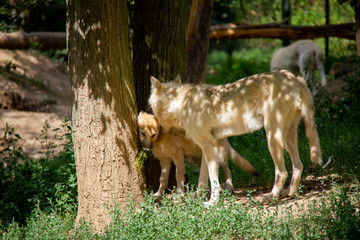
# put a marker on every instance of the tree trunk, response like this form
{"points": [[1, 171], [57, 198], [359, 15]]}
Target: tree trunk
{"points": [[357, 20], [159, 43], [104, 111], [327, 22], [159, 51], [286, 16], [197, 40]]}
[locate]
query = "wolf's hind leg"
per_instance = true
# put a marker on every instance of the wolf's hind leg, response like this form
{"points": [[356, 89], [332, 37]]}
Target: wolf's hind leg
{"points": [[291, 143], [223, 153], [203, 177], [276, 147], [180, 171], [228, 179]]}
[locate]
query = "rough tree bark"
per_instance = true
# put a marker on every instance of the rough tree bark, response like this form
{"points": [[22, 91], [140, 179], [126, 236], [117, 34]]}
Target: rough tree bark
{"points": [[286, 17], [104, 110], [159, 43], [197, 40], [159, 50], [357, 20]]}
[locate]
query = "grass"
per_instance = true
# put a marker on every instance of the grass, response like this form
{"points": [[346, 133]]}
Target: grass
{"points": [[38, 198], [223, 68], [332, 216]]}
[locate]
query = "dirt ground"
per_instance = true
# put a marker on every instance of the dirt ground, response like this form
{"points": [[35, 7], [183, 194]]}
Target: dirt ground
{"points": [[312, 189], [34, 89]]}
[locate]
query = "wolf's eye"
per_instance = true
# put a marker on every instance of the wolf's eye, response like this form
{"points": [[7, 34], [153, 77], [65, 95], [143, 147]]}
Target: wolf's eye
{"points": [[154, 135], [142, 134]]}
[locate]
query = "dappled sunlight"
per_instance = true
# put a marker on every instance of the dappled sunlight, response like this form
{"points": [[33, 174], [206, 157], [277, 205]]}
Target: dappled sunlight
{"points": [[104, 105], [83, 33], [27, 59], [97, 74], [275, 100], [105, 80]]}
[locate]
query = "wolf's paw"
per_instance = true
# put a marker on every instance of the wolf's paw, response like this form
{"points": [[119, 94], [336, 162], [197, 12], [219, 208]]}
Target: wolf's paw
{"points": [[157, 198], [157, 194], [267, 198], [202, 192], [284, 193], [209, 204], [178, 195], [293, 194], [227, 186], [179, 191]]}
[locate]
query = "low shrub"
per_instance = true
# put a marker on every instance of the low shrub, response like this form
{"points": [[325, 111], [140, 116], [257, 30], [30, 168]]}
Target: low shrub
{"points": [[332, 215], [27, 183]]}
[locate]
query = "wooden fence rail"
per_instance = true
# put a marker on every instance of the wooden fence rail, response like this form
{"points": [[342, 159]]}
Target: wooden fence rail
{"points": [[57, 40]]}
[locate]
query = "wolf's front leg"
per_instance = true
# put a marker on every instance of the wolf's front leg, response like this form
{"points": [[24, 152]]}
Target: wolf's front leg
{"points": [[203, 177], [164, 176], [210, 156]]}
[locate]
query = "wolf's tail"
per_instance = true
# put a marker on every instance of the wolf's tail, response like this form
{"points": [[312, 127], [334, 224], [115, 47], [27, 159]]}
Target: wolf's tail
{"points": [[308, 113], [242, 162]]}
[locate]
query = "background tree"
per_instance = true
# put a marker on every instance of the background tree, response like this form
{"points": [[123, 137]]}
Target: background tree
{"points": [[197, 40], [356, 5], [159, 43], [104, 110], [286, 16], [159, 50], [357, 20]]}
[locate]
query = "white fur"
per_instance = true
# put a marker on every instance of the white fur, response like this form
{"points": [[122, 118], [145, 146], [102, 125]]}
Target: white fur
{"points": [[275, 100], [301, 57], [174, 147]]}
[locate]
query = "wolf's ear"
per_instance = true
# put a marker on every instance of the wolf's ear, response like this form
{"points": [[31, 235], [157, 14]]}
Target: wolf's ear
{"points": [[177, 79], [155, 83]]}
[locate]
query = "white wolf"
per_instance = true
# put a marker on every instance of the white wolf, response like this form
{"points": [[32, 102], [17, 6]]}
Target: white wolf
{"points": [[173, 146], [301, 57], [276, 101]]}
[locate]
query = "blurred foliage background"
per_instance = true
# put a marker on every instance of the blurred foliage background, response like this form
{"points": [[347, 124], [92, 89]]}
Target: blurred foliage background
{"points": [[32, 15]]}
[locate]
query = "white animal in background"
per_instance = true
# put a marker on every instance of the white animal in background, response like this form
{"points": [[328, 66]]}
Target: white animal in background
{"points": [[301, 57], [276, 101]]}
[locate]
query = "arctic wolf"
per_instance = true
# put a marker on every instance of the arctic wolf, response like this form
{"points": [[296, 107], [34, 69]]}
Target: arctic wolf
{"points": [[174, 146], [275, 100], [301, 57]]}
